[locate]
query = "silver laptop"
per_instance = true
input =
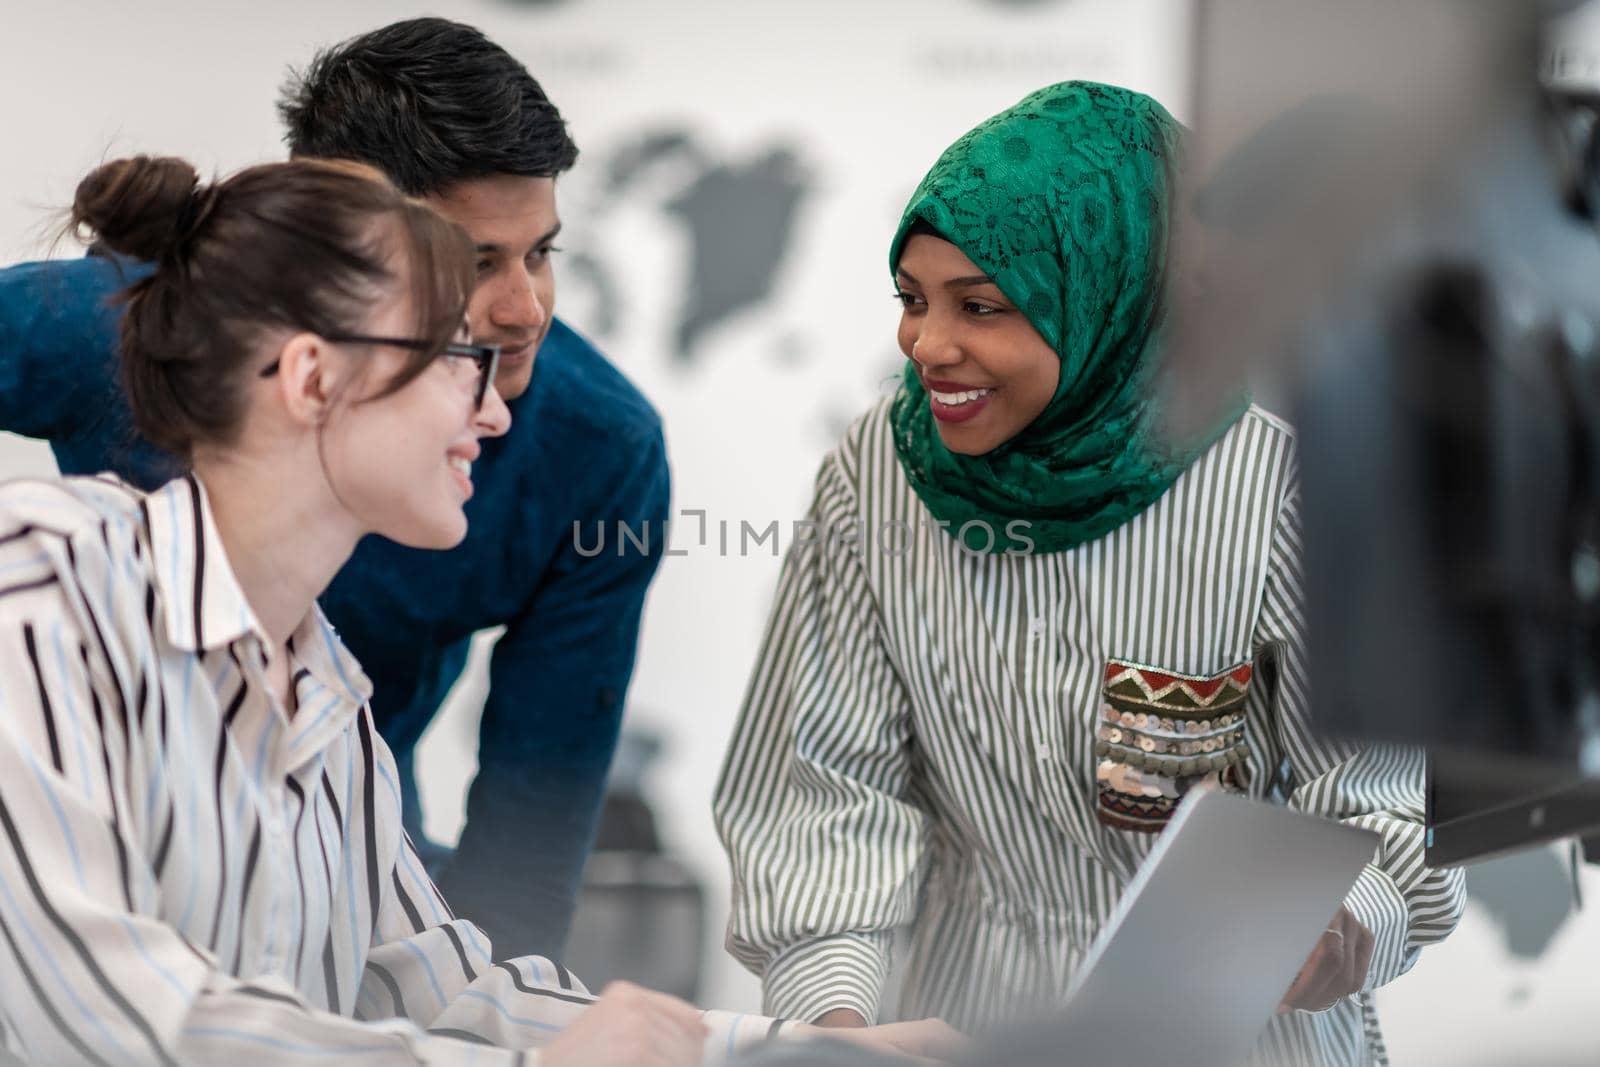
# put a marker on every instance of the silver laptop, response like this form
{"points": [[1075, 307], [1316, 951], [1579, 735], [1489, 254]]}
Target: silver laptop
{"points": [[1206, 940], [1197, 956]]}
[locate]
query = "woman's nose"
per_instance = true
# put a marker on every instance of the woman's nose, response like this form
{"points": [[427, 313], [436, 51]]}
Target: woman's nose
{"points": [[935, 347], [493, 418]]}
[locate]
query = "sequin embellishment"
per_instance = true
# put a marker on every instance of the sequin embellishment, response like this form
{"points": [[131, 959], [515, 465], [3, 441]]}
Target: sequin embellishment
{"points": [[1161, 734]]}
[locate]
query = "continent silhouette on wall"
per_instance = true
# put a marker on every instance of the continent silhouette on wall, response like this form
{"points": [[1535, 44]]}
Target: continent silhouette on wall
{"points": [[1529, 895], [738, 216], [740, 219]]}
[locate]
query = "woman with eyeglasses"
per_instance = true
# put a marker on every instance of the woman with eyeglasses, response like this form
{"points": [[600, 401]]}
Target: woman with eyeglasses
{"points": [[201, 853]]}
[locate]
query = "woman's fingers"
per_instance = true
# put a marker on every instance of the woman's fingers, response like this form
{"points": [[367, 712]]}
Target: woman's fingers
{"points": [[1321, 990], [630, 1027], [1331, 988], [1303, 980], [1359, 957], [1336, 968], [678, 1027], [1321, 970], [925, 1040], [938, 1039]]}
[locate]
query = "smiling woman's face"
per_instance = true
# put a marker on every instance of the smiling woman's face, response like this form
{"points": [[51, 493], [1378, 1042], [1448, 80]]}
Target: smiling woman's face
{"points": [[988, 373], [401, 462]]}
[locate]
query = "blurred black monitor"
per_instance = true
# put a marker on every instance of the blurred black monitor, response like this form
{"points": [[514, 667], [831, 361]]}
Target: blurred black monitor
{"points": [[1383, 224], [1479, 808]]}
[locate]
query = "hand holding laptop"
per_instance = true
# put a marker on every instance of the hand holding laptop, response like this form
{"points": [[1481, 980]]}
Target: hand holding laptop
{"points": [[1207, 936], [1336, 968]]}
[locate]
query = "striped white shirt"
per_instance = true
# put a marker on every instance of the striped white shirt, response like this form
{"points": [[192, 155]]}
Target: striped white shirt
{"points": [[187, 874], [916, 752]]}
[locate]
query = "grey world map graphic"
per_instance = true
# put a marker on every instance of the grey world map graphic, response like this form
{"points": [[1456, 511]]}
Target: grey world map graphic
{"points": [[739, 217], [1528, 895]]}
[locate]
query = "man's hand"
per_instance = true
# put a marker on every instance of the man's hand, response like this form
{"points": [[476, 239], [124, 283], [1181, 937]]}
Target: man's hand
{"points": [[1336, 967], [630, 1026]]}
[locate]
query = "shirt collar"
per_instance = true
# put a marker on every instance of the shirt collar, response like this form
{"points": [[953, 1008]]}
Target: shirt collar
{"points": [[330, 689], [204, 609], [317, 647], [202, 604]]}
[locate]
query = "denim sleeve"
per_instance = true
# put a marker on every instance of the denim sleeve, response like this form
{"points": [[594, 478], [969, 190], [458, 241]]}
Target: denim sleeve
{"points": [[557, 681], [60, 324]]}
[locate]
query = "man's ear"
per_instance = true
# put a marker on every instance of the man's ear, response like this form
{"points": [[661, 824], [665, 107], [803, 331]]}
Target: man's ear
{"points": [[310, 374]]}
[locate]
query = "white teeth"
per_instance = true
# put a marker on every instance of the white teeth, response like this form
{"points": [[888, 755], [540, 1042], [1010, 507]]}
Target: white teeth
{"points": [[462, 464], [954, 399]]}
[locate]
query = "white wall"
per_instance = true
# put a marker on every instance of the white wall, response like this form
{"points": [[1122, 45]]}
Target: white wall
{"points": [[865, 95]]}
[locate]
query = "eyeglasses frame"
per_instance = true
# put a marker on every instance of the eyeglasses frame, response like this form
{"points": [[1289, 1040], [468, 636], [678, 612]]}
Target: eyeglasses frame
{"points": [[487, 357]]}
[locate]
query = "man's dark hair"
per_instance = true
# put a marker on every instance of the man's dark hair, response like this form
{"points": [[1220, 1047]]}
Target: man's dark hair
{"points": [[430, 103]]}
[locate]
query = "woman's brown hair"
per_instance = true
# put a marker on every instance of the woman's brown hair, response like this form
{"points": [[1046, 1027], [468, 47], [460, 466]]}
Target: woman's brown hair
{"points": [[304, 245]]}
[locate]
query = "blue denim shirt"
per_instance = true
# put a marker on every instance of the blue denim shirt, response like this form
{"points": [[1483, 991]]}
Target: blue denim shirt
{"points": [[584, 445]]}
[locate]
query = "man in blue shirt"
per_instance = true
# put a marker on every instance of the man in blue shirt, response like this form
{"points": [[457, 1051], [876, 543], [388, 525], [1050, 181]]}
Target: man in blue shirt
{"points": [[452, 118]]}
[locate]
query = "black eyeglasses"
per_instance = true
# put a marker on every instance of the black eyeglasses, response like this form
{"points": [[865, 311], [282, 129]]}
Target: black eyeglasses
{"points": [[487, 357]]}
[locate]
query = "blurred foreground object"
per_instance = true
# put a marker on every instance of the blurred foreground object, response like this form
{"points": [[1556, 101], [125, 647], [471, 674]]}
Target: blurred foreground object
{"points": [[1314, 124], [1393, 224]]}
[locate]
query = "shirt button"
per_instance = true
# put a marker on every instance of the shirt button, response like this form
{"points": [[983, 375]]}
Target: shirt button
{"points": [[1046, 753], [1036, 628]]}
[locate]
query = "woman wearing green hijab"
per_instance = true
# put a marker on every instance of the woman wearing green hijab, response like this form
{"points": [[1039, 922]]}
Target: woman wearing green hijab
{"points": [[1028, 623]]}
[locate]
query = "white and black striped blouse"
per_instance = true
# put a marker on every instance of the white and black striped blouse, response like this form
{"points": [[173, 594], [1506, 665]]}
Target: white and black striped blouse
{"points": [[973, 749], [188, 875]]}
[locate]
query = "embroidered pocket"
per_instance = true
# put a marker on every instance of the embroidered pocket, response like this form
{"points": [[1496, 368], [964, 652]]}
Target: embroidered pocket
{"points": [[1160, 734]]}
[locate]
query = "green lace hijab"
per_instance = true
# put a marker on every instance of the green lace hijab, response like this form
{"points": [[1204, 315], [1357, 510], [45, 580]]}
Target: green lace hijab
{"points": [[1063, 200]]}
